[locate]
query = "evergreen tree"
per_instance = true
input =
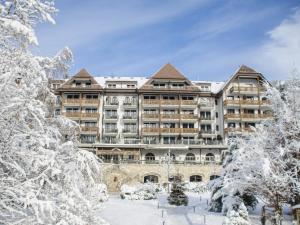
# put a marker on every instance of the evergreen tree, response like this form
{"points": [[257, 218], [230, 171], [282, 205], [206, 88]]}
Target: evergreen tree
{"points": [[177, 196], [238, 215]]}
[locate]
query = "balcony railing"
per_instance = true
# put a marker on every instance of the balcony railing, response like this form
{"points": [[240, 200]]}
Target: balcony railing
{"points": [[71, 114], [170, 116], [92, 115], [170, 87], [238, 129], [154, 161], [90, 129], [246, 102], [111, 116], [151, 116], [130, 131], [206, 104], [113, 130], [129, 116], [170, 130], [71, 86], [246, 116], [129, 103], [247, 89], [189, 116], [206, 117], [169, 102]]}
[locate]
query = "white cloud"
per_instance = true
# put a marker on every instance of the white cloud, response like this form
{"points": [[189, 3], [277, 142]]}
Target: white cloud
{"points": [[280, 54]]}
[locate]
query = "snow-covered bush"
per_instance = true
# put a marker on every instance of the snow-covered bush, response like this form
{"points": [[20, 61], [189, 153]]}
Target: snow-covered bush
{"points": [[100, 192], [238, 216], [197, 187], [145, 191], [44, 177]]}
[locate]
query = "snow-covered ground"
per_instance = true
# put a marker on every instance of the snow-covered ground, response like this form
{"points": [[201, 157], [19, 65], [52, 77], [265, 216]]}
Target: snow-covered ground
{"points": [[155, 212]]}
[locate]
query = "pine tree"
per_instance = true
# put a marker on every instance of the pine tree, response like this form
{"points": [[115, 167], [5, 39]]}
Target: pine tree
{"points": [[177, 196], [237, 216]]}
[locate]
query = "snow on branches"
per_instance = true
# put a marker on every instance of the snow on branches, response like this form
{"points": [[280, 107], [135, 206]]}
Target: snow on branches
{"points": [[44, 177]]}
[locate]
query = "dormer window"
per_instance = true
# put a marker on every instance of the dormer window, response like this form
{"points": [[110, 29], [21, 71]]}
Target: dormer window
{"points": [[88, 83], [112, 86], [77, 84]]}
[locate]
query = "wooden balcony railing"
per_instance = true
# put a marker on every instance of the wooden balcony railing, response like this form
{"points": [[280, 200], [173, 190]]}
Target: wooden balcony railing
{"points": [[95, 129], [246, 116], [150, 130], [151, 116], [80, 101], [72, 114], [170, 87], [92, 115], [170, 130], [206, 117], [247, 89], [170, 116], [246, 102], [189, 116], [71, 86], [169, 102]]}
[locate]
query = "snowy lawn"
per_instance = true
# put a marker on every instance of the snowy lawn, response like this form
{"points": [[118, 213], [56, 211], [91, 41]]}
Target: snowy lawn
{"points": [[155, 212]]}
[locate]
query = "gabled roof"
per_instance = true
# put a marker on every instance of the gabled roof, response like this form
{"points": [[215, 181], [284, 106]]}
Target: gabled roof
{"points": [[243, 71], [168, 72], [82, 74]]}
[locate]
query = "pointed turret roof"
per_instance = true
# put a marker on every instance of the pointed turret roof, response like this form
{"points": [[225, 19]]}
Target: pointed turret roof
{"points": [[169, 72]]}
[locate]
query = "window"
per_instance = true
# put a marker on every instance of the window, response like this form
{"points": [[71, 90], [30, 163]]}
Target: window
{"points": [[190, 157], [72, 110], [188, 111], [150, 125], [187, 98], [90, 124], [151, 179], [187, 125], [230, 111], [111, 85], [111, 114], [150, 111], [216, 102], [217, 127], [168, 125], [130, 157], [168, 97], [149, 97], [205, 115], [209, 157], [57, 112], [91, 96], [88, 138], [169, 140], [149, 157], [150, 140], [195, 178], [217, 115], [168, 111], [91, 110]]}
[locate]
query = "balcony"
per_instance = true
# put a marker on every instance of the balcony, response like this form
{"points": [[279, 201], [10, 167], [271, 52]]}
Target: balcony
{"points": [[90, 115], [111, 131], [207, 118], [188, 103], [151, 117], [111, 105], [238, 129], [247, 116], [189, 130], [130, 131], [170, 117], [189, 116], [170, 87], [246, 90], [82, 87], [72, 114], [111, 117], [129, 117], [246, 102], [151, 102], [150, 130], [86, 101], [71, 101], [89, 129]]}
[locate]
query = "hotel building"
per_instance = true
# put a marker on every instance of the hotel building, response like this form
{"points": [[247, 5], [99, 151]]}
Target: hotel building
{"points": [[163, 127]]}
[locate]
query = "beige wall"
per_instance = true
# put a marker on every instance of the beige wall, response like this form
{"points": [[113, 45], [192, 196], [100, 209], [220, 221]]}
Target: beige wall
{"points": [[115, 175]]}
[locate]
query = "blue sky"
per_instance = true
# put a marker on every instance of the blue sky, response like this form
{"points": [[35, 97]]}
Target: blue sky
{"points": [[204, 39]]}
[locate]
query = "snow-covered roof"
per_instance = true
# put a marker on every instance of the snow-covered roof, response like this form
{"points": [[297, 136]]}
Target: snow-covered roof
{"points": [[140, 80], [215, 87]]}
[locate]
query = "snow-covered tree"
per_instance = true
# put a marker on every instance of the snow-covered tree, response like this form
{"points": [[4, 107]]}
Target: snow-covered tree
{"points": [[267, 163], [237, 216], [177, 195], [223, 199], [44, 177]]}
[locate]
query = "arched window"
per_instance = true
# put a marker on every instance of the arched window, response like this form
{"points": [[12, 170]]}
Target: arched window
{"points": [[175, 178], [151, 178], [212, 177], [149, 157], [209, 157], [195, 178], [127, 100], [190, 157], [114, 100], [107, 100]]}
